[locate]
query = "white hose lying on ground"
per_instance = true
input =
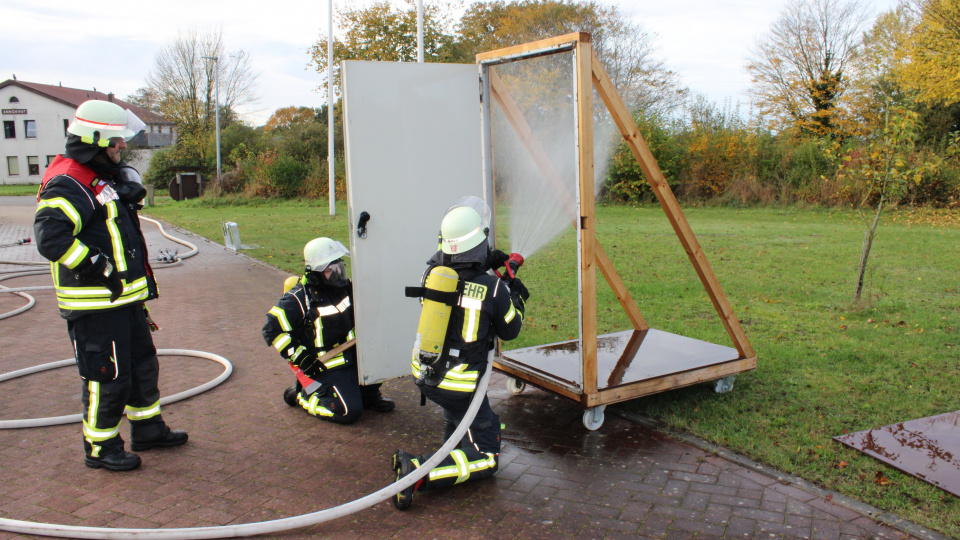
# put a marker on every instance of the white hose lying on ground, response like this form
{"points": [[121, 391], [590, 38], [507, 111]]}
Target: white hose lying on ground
{"points": [[265, 527], [68, 419]]}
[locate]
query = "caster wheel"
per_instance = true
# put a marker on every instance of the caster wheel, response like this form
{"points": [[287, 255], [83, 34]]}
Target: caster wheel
{"points": [[725, 384], [515, 386], [593, 417]]}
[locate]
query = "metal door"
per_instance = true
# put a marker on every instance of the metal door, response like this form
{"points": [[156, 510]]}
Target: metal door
{"points": [[413, 148]]}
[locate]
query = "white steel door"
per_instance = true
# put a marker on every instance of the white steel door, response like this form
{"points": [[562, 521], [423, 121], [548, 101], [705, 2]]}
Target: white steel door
{"points": [[413, 148]]}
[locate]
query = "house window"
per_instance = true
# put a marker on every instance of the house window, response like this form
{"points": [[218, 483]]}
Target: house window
{"points": [[13, 166], [30, 128], [66, 124], [33, 165], [14, 99], [9, 129], [50, 159]]}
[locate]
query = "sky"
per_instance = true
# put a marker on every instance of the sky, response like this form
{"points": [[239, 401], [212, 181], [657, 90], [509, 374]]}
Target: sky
{"points": [[112, 47]]}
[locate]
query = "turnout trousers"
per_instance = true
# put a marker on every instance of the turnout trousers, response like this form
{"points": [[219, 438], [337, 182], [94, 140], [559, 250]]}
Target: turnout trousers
{"points": [[340, 399], [117, 360], [478, 455]]}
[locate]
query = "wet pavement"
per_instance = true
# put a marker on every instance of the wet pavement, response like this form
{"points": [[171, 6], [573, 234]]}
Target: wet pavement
{"points": [[252, 458]]}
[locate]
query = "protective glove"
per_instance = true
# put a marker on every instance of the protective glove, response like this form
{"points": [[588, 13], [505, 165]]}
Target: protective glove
{"points": [[519, 294], [100, 270], [496, 259], [130, 185], [517, 288]]}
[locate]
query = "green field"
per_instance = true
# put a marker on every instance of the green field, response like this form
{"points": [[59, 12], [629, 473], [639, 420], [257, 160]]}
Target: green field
{"points": [[826, 367], [18, 189]]}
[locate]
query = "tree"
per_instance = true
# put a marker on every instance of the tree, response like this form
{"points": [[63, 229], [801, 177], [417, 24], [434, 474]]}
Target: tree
{"points": [[287, 117], [884, 166], [933, 52], [186, 82], [385, 33], [626, 49], [801, 69]]}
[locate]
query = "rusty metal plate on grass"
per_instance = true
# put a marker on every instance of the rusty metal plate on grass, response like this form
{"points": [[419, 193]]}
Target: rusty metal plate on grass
{"points": [[927, 448]]}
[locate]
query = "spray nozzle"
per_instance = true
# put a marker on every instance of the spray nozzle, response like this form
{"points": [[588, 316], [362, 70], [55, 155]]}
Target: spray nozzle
{"points": [[514, 262]]}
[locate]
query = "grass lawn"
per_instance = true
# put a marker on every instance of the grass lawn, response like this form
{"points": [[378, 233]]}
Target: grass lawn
{"points": [[826, 367], [19, 189]]}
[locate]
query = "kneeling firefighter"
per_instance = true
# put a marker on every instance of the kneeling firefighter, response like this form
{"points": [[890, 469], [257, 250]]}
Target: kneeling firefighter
{"points": [[464, 309], [312, 328]]}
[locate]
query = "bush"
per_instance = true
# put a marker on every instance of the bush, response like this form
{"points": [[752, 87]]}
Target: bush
{"points": [[625, 180], [288, 175]]}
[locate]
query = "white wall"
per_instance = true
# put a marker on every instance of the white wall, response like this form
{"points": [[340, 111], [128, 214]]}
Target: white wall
{"points": [[48, 116]]}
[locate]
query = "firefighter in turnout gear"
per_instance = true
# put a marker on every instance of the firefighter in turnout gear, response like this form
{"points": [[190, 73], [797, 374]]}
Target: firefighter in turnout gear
{"points": [[482, 307], [312, 328], [86, 224]]}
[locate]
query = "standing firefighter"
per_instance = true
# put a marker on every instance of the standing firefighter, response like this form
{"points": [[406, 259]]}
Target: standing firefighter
{"points": [[312, 328], [87, 226], [465, 308]]}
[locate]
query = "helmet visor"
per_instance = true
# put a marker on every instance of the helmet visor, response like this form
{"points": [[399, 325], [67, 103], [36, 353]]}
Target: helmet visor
{"points": [[335, 273], [477, 204]]}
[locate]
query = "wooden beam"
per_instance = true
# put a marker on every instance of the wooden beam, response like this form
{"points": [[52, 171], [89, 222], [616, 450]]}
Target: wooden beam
{"points": [[620, 290], [587, 226], [535, 379], [670, 382], [631, 133], [534, 47]]}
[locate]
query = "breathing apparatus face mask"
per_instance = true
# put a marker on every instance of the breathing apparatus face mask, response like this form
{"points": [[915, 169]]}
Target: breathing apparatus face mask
{"points": [[335, 274]]}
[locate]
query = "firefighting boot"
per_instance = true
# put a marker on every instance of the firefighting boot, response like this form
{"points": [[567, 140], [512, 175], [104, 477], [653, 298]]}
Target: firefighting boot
{"points": [[117, 460], [290, 396], [374, 401], [170, 437], [403, 464]]}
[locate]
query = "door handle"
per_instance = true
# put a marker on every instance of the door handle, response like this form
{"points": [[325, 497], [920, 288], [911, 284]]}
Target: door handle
{"points": [[362, 224]]}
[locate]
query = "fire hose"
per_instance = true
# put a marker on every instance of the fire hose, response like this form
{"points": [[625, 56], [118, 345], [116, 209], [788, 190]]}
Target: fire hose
{"points": [[272, 526], [42, 268], [222, 531]]}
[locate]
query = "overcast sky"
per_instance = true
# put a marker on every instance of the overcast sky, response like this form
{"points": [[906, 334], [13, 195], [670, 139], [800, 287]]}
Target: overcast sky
{"points": [[111, 47]]}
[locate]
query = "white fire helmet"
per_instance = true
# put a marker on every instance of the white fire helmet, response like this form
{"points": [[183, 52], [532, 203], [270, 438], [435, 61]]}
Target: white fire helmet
{"points": [[97, 121]]}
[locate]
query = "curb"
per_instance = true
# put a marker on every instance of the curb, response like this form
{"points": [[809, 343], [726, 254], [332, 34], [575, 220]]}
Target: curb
{"points": [[861, 508]]}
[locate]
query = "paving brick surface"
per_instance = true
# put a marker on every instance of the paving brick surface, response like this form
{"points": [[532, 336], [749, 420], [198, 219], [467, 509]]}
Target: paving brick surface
{"points": [[252, 458]]}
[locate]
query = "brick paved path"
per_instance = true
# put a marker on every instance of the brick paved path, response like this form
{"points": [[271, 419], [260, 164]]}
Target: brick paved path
{"points": [[252, 458]]}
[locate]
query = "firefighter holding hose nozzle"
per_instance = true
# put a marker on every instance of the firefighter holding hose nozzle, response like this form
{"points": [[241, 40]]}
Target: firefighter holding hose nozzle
{"points": [[465, 308]]}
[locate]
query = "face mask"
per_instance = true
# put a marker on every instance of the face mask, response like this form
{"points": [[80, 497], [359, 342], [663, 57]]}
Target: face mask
{"points": [[338, 274]]}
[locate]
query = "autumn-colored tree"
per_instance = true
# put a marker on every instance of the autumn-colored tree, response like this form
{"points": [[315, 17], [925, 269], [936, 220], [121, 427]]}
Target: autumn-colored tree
{"points": [[287, 117], [626, 49], [884, 166], [933, 51], [385, 33], [801, 69]]}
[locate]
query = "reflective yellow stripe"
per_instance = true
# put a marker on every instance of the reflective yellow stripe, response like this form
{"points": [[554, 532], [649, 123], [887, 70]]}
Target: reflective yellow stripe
{"points": [[510, 314], [142, 413], [101, 301], [115, 239], [313, 406], [318, 325], [326, 311], [64, 206], [80, 292], [90, 431], [336, 361], [281, 318], [471, 325], [76, 253], [282, 341]]}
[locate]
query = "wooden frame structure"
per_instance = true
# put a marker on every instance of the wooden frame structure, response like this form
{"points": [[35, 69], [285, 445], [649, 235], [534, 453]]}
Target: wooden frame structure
{"points": [[624, 352]]}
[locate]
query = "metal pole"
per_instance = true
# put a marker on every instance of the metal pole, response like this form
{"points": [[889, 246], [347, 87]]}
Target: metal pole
{"points": [[330, 158], [216, 67], [420, 31]]}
